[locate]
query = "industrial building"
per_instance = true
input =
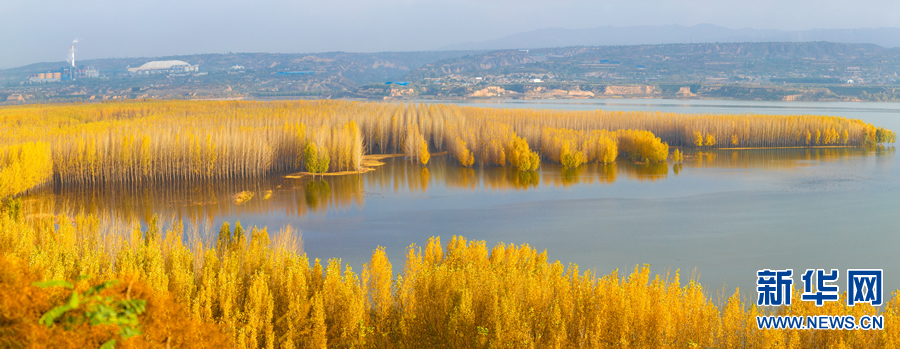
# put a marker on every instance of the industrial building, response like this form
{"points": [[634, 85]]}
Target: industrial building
{"points": [[69, 73], [65, 74], [164, 67]]}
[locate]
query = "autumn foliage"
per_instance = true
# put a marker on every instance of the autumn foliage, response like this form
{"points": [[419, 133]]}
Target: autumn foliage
{"points": [[141, 141], [23, 166], [571, 148], [246, 289], [521, 156], [164, 323]]}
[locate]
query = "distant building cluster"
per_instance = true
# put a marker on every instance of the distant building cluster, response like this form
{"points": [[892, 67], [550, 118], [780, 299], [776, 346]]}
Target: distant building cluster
{"points": [[65, 74], [164, 67]]}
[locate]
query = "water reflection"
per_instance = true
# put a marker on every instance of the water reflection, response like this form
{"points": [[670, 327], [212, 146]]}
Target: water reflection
{"points": [[776, 158], [300, 197], [523, 180], [457, 177], [317, 192], [647, 172], [402, 175]]}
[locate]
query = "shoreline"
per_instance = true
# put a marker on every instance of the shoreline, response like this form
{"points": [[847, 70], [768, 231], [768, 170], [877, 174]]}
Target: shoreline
{"points": [[369, 163], [774, 148], [443, 99]]}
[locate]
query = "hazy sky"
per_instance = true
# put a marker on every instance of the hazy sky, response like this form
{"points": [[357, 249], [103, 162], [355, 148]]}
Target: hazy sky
{"points": [[41, 30]]}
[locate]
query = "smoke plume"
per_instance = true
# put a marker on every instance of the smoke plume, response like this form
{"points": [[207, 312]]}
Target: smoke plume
{"points": [[71, 57]]}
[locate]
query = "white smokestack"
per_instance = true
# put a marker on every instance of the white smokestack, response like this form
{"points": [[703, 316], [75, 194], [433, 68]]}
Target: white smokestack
{"points": [[72, 53]]}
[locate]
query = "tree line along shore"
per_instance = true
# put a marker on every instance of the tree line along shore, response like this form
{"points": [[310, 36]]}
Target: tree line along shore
{"points": [[139, 141]]}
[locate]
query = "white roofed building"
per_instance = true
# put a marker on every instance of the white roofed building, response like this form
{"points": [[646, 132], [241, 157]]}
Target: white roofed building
{"points": [[164, 67]]}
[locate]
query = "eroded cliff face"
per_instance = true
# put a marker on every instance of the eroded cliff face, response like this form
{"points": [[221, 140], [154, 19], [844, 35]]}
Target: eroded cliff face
{"points": [[559, 93], [491, 91], [613, 90], [685, 91], [580, 94], [399, 92], [540, 92], [535, 92], [386, 64]]}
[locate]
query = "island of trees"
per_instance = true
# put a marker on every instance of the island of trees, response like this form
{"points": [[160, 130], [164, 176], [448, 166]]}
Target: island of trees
{"points": [[141, 141]]}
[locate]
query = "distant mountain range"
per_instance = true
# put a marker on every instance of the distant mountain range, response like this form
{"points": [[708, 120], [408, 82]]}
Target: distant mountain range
{"points": [[677, 34]]}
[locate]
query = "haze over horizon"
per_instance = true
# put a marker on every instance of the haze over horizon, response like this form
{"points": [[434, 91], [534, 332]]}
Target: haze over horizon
{"points": [[41, 31]]}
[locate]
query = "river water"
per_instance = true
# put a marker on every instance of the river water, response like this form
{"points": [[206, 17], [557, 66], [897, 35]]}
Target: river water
{"points": [[721, 215]]}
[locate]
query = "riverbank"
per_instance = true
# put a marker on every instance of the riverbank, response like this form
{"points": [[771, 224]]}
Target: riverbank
{"points": [[368, 164]]}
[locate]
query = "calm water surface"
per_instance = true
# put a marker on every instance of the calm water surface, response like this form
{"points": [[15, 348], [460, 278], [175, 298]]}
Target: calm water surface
{"points": [[723, 214]]}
